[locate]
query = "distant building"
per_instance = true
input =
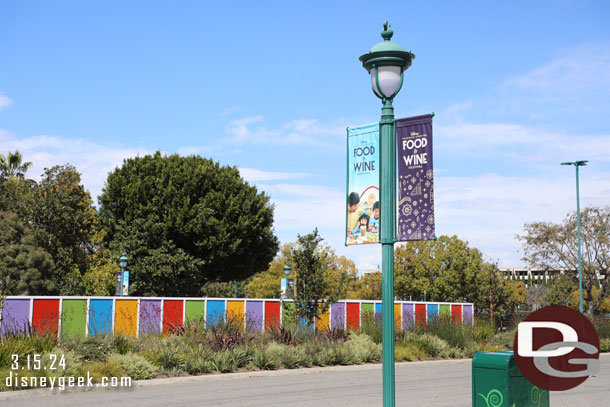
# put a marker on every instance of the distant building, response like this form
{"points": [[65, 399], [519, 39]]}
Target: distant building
{"points": [[533, 276]]}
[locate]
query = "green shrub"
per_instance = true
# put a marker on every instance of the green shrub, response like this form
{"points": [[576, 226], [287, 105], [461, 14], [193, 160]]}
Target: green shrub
{"points": [[101, 368], [483, 330], [409, 351], [243, 355], [432, 345], [123, 344], [169, 359], [13, 345], [372, 326], [223, 362], [456, 334], [265, 360], [136, 367], [91, 348], [363, 348], [602, 326]]}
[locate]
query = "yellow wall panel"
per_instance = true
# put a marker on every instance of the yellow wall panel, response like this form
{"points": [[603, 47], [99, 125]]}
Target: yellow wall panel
{"points": [[397, 317], [322, 321], [126, 317], [235, 311]]}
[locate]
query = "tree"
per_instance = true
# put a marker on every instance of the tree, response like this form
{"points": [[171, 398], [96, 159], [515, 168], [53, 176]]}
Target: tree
{"points": [[313, 296], [266, 284], [63, 220], [13, 166], [446, 269], [367, 288], [25, 268], [340, 273], [185, 221], [547, 245], [560, 291]]}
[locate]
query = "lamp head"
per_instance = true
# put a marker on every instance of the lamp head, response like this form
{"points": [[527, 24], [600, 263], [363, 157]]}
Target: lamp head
{"points": [[386, 63], [287, 270], [123, 261]]}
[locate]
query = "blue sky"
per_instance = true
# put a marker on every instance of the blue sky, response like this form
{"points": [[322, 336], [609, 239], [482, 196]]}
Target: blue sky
{"points": [[517, 87]]}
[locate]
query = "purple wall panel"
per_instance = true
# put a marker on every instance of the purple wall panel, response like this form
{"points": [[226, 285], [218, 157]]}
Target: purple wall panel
{"points": [[15, 315], [254, 315], [467, 314], [408, 316], [337, 315], [150, 317]]}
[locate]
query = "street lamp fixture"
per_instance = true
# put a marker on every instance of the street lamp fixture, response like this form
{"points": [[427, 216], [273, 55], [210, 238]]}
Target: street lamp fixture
{"points": [[287, 270], [386, 63], [577, 164]]}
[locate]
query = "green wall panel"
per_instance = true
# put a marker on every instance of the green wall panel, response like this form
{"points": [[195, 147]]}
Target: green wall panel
{"points": [[195, 310], [73, 318]]}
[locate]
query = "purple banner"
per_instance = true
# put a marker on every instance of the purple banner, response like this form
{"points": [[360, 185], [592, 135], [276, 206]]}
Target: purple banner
{"points": [[415, 178]]}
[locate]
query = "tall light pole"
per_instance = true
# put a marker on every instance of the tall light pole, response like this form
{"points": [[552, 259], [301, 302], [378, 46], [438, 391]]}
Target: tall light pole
{"points": [[386, 63], [577, 164]]}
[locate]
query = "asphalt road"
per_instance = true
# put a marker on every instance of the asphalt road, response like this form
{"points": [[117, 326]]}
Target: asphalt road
{"points": [[431, 384]]}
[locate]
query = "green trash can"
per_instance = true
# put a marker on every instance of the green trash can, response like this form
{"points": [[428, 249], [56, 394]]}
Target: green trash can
{"points": [[497, 382]]}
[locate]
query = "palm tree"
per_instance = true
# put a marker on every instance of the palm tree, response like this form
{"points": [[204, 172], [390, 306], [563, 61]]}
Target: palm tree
{"points": [[12, 165]]}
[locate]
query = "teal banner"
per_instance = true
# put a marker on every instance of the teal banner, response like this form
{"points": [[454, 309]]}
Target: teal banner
{"points": [[362, 201]]}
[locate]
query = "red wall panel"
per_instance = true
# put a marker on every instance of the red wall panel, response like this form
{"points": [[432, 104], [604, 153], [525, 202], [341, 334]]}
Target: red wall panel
{"points": [[353, 316], [456, 313], [420, 314], [272, 314], [45, 316], [172, 314]]}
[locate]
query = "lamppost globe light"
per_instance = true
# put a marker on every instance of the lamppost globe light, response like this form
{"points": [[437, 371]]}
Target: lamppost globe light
{"points": [[287, 270], [386, 62], [123, 261]]}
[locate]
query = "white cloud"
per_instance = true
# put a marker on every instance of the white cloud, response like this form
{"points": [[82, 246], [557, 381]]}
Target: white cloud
{"points": [[92, 160], [579, 69], [254, 175], [520, 143], [308, 132], [5, 101]]}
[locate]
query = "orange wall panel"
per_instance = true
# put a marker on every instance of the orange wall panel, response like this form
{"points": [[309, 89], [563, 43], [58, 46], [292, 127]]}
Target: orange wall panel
{"points": [[126, 317]]}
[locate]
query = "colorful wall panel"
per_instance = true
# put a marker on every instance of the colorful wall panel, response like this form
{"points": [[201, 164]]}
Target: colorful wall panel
{"points": [[444, 310], [254, 315], [467, 314], [172, 315], [235, 311], [353, 316], [408, 316], [73, 318], [337, 315], [272, 314], [100, 316], [126, 317], [16, 315], [397, 317], [194, 310], [215, 311], [456, 312], [420, 314], [150, 317], [322, 322], [432, 312], [141, 316], [45, 316]]}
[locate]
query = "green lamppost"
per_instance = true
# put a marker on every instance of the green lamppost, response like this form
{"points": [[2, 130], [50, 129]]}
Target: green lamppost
{"points": [[578, 164], [386, 62]]}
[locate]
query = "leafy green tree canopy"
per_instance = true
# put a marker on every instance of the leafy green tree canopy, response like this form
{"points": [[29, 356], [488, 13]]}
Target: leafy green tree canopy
{"points": [[25, 268], [548, 245], [185, 221]]}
